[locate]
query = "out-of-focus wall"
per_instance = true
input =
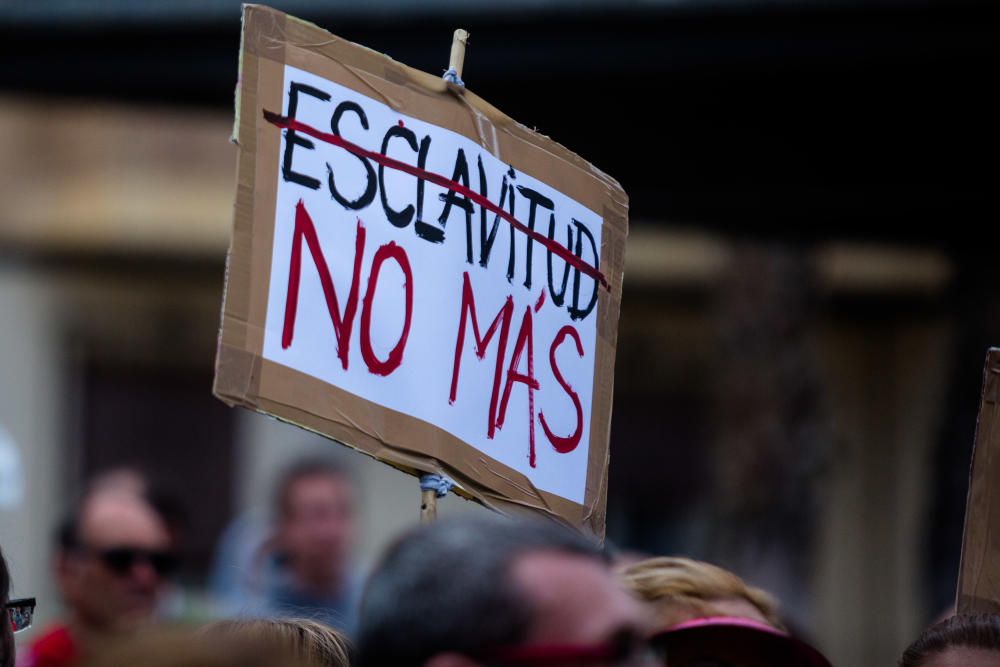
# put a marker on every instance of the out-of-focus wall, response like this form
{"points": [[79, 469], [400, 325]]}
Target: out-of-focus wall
{"points": [[32, 409], [86, 185], [102, 178], [887, 387]]}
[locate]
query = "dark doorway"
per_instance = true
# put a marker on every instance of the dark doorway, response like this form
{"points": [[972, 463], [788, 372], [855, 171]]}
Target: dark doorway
{"points": [[164, 421]]}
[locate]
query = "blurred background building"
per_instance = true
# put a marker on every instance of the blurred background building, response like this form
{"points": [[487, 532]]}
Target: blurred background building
{"points": [[810, 284]]}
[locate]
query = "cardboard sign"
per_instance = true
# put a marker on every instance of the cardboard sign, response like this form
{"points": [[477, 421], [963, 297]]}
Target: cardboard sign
{"points": [[417, 276], [979, 573]]}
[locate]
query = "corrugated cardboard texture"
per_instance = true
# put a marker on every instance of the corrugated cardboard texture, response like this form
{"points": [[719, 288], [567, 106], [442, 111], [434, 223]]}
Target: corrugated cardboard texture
{"points": [[272, 39], [979, 574]]}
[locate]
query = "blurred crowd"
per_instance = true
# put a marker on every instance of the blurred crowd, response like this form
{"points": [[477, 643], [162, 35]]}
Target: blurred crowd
{"points": [[459, 592]]}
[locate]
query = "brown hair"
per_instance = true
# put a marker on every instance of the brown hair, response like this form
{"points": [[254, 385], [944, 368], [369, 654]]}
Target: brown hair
{"points": [[292, 641], [680, 587], [306, 468], [980, 631]]}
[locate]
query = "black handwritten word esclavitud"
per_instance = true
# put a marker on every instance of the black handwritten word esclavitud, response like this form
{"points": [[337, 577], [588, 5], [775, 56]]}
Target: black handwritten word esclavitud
{"points": [[539, 223]]}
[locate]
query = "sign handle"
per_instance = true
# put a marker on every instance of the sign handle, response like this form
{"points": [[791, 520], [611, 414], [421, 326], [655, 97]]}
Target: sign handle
{"points": [[434, 486], [457, 59], [428, 506]]}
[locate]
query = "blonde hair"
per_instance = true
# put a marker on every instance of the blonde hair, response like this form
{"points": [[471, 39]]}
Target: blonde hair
{"points": [[290, 641], [167, 647], [680, 588]]}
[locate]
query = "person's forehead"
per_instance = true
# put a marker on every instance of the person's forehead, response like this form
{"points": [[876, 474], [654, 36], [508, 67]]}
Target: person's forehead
{"points": [[574, 598], [320, 485], [963, 656], [121, 519]]}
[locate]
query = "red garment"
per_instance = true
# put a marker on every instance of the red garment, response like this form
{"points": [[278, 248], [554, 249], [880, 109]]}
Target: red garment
{"points": [[53, 648]]}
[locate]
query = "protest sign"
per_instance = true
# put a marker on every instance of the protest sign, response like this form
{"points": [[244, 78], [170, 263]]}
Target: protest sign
{"points": [[979, 573], [417, 276]]}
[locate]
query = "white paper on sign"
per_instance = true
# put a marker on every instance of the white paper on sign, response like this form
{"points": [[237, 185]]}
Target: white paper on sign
{"points": [[347, 200]]}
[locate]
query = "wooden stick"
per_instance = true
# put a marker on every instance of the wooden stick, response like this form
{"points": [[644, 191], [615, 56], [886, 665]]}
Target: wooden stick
{"points": [[457, 59], [428, 506], [428, 499]]}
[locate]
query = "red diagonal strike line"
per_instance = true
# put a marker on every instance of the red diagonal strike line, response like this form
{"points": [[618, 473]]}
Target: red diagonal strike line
{"points": [[285, 123]]}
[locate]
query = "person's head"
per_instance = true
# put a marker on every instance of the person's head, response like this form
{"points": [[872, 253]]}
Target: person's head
{"points": [[6, 631], [681, 589], [485, 591], [290, 641], [959, 641], [112, 561], [315, 506]]}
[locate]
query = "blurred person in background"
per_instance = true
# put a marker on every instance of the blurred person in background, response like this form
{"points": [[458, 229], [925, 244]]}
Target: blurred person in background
{"points": [[294, 640], [301, 565], [111, 565], [709, 616], [492, 591], [959, 641]]}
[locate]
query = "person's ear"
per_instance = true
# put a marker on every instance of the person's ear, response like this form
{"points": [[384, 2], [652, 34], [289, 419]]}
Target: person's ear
{"points": [[451, 660]]}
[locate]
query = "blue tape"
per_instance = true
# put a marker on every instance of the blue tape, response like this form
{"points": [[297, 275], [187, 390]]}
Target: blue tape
{"points": [[434, 482], [451, 76]]}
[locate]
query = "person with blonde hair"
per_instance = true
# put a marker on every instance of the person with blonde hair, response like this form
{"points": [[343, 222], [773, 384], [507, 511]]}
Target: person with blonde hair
{"points": [[708, 615], [288, 641], [681, 589]]}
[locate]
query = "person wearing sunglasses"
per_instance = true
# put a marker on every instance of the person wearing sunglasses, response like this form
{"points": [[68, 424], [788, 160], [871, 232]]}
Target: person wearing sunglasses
{"points": [[20, 613], [111, 567], [482, 591]]}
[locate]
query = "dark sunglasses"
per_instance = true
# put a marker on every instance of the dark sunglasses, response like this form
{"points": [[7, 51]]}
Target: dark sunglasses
{"points": [[121, 560], [625, 648], [20, 613]]}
